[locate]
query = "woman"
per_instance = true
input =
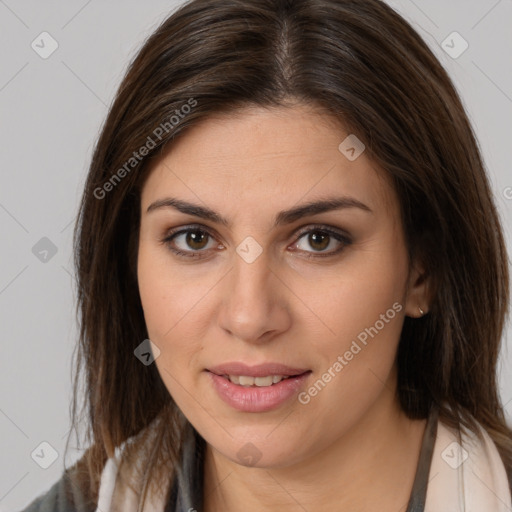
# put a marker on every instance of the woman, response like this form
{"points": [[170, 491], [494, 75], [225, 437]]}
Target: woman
{"points": [[292, 274]]}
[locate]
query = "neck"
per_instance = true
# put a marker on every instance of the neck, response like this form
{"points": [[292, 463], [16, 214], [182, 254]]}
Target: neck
{"points": [[371, 467]]}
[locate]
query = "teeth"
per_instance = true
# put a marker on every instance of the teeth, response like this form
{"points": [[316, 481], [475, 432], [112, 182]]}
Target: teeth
{"points": [[247, 381], [234, 379]]}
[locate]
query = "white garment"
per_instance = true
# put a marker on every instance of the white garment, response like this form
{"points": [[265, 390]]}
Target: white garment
{"points": [[467, 479]]}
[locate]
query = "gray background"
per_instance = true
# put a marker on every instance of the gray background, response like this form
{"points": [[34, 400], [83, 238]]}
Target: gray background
{"points": [[51, 111]]}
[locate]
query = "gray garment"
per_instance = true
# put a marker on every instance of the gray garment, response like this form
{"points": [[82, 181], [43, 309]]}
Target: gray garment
{"points": [[186, 491], [64, 496]]}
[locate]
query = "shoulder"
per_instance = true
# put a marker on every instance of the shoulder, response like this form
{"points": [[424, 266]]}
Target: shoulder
{"points": [[122, 480], [119, 484], [466, 472], [63, 496]]}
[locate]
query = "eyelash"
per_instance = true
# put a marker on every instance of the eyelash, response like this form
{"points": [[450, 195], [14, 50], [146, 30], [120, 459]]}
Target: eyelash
{"points": [[339, 236]]}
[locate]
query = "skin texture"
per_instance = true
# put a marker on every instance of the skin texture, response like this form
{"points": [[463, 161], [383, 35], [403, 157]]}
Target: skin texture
{"points": [[350, 447]]}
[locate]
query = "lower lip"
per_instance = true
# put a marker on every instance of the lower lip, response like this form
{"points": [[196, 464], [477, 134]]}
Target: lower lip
{"points": [[257, 399]]}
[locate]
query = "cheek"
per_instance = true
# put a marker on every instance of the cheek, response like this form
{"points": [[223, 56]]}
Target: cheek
{"points": [[169, 315], [362, 306], [365, 314], [354, 295], [172, 307]]}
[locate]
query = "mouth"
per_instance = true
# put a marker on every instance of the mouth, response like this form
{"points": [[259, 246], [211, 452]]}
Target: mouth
{"points": [[264, 370], [258, 388], [248, 381]]}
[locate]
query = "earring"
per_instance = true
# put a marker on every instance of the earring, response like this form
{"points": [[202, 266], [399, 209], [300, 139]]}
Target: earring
{"points": [[421, 311]]}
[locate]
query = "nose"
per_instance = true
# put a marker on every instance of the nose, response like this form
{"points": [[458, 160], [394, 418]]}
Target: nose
{"points": [[255, 305]]}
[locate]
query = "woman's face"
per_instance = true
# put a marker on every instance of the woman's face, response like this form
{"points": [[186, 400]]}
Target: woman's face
{"points": [[322, 292]]}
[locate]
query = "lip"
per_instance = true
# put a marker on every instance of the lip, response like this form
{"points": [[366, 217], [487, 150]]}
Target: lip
{"points": [[260, 370], [257, 399]]}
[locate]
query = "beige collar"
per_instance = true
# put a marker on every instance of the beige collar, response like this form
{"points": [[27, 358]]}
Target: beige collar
{"points": [[471, 478]]}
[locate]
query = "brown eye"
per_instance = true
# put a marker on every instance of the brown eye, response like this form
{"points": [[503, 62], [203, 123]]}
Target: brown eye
{"points": [[196, 239], [319, 239], [189, 242]]}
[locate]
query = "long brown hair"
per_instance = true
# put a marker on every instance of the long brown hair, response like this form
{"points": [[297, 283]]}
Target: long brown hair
{"points": [[355, 60]]}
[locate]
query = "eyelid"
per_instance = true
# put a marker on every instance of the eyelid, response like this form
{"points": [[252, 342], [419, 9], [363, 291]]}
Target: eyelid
{"points": [[341, 236], [189, 227], [322, 227]]}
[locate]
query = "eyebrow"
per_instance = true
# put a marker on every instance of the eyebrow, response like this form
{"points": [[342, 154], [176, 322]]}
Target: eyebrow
{"points": [[282, 218]]}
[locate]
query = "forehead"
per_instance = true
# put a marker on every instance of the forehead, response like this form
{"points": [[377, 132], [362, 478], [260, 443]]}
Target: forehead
{"points": [[258, 158]]}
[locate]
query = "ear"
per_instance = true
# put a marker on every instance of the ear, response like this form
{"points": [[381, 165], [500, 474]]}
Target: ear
{"points": [[418, 292]]}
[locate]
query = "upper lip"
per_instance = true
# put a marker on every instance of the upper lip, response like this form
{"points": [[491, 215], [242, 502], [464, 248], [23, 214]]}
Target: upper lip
{"points": [[260, 370]]}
